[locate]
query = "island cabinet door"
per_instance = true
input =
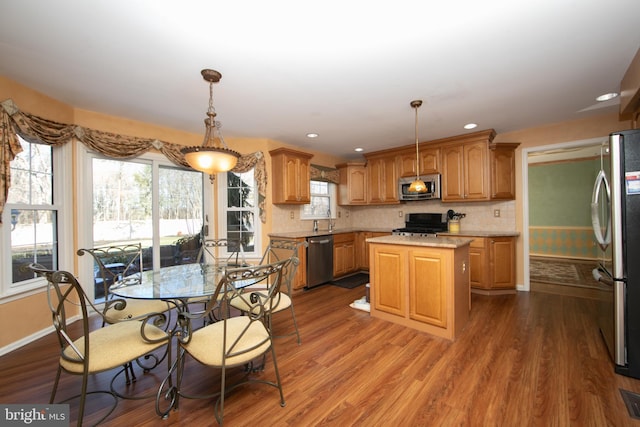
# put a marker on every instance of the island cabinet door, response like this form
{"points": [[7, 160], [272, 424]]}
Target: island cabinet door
{"points": [[427, 287], [389, 283]]}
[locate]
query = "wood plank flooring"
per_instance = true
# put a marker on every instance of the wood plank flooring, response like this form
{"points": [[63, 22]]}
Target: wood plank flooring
{"points": [[530, 359]]}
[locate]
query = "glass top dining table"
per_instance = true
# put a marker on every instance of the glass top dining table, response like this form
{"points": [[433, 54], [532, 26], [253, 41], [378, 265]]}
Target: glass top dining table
{"points": [[170, 283]]}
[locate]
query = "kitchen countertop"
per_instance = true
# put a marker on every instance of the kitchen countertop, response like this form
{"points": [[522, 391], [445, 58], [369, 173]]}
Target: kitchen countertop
{"points": [[433, 242], [480, 233], [303, 233]]}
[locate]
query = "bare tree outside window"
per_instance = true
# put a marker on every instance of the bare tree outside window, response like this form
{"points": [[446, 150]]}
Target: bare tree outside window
{"points": [[241, 203], [33, 214], [123, 210]]}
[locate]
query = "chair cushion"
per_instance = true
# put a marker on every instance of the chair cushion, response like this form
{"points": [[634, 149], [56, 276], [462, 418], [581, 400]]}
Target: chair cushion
{"points": [[206, 343], [113, 346], [283, 301], [135, 308]]}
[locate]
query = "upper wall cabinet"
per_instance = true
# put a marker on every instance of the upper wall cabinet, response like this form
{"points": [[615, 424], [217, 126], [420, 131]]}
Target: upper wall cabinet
{"points": [[429, 161], [502, 164], [352, 189], [475, 169], [291, 178], [382, 179]]}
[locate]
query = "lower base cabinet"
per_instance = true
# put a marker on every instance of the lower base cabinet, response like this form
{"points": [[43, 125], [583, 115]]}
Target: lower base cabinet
{"points": [[492, 262], [425, 288], [300, 280], [344, 254], [362, 247]]}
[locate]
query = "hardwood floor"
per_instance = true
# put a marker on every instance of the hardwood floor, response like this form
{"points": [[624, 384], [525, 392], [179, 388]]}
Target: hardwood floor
{"points": [[530, 359]]}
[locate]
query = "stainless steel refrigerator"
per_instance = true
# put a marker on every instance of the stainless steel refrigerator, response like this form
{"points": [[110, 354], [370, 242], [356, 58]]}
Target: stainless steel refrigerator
{"points": [[615, 211]]}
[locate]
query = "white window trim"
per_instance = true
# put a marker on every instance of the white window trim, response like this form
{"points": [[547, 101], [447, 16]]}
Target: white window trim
{"points": [[221, 179], [84, 206], [333, 205], [62, 190]]}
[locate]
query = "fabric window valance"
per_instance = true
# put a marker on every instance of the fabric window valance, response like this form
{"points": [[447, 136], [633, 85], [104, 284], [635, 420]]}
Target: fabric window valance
{"points": [[323, 173], [43, 131]]}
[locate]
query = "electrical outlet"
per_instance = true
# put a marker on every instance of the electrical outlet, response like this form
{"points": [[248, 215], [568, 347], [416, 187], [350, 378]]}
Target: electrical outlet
{"points": [[496, 213], [399, 214], [291, 215], [346, 214], [339, 214]]}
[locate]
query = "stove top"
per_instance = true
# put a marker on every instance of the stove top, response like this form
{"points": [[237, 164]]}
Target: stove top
{"points": [[423, 224]]}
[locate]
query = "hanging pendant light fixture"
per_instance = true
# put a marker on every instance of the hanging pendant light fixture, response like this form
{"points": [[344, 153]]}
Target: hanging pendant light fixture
{"points": [[213, 155], [417, 186]]}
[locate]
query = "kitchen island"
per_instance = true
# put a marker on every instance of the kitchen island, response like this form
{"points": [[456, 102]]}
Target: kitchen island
{"points": [[421, 282]]}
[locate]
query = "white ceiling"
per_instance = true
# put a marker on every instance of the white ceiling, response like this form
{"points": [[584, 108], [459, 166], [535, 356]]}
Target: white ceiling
{"points": [[345, 69]]}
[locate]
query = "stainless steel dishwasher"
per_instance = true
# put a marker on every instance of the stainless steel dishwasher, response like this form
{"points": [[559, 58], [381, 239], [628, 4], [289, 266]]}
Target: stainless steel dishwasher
{"points": [[319, 260]]}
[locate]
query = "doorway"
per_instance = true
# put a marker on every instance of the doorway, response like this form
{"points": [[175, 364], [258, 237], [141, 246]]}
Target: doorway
{"points": [[557, 235]]}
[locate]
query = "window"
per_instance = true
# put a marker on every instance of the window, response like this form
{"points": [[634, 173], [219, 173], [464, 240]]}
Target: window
{"points": [[146, 200], [323, 201], [32, 228], [239, 217]]}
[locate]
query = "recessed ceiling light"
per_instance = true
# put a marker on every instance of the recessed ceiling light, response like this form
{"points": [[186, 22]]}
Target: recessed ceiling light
{"points": [[358, 149], [470, 126], [606, 96], [312, 135]]}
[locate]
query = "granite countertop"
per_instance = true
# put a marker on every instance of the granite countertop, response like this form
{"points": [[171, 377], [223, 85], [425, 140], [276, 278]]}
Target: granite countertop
{"points": [[304, 233], [433, 242], [480, 233]]}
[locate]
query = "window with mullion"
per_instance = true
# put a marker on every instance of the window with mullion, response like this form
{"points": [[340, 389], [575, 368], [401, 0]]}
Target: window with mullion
{"points": [[241, 220]]}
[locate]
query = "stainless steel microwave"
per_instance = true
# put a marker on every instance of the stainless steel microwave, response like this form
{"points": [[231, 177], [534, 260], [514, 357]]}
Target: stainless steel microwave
{"points": [[432, 182]]}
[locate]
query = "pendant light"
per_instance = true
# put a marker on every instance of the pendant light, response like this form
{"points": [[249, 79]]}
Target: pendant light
{"points": [[213, 155], [417, 186]]}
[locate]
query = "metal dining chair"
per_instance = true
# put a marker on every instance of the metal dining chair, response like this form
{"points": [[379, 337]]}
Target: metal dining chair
{"points": [[210, 252], [113, 263], [230, 342], [87, 352], [277, 250]]}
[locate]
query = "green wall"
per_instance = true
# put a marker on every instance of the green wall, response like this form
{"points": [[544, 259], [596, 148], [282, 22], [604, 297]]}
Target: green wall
{"points": [[560, 193]]}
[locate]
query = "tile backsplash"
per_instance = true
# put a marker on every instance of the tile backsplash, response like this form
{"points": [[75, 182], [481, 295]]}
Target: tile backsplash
{"points": [[479, 216]]}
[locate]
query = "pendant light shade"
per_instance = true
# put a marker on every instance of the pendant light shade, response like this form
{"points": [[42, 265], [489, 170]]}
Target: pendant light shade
{"points": [[213, 155], [417, 186]]}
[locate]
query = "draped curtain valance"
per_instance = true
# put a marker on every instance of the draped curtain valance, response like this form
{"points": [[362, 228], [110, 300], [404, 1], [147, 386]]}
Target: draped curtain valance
{"points": [[43, 131], [323, 173]]}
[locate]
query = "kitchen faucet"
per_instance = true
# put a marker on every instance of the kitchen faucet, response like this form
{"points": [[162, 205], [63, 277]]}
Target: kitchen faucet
{"points": [[330, 221]]}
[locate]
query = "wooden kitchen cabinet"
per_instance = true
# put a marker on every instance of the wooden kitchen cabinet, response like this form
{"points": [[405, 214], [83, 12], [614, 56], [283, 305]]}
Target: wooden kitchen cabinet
{"points": [[425, 288], [344, 254], [362, 247], [465, 172], [291, 176], [476, 169], [352, 189], [429, 161], [492, 263], [382, 180], [300, 279], [502, 162]]}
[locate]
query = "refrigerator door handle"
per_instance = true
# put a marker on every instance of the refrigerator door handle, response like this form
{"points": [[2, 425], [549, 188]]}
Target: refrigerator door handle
{"points": [[603, 239]]}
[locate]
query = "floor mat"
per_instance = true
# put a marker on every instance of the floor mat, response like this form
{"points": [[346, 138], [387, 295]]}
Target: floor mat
{"points": [[563, 272], [353, 281]]}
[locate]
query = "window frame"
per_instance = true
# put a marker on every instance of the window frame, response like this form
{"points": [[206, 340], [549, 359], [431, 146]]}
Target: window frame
{"points": [[84, 191], [333, 202], [62, 204], [222, 188]]}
